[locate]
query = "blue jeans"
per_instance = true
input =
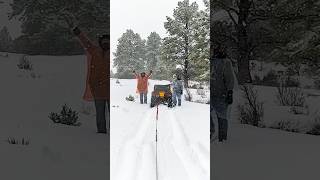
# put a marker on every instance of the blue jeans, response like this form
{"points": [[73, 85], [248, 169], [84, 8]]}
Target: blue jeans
{"points": [[176, 96], [143, 98]]}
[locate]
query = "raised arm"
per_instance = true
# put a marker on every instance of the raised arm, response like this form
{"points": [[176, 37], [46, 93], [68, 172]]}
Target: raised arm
{"points": [[135, 74], [149, 75], [84, 40]]}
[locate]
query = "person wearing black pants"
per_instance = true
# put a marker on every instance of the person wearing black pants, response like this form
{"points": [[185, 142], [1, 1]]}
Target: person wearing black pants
{"points": [[102, 115], [221, 91]]}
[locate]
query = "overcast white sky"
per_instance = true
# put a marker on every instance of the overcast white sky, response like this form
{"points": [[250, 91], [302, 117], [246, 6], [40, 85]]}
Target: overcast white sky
{"points": [[142, 16]]}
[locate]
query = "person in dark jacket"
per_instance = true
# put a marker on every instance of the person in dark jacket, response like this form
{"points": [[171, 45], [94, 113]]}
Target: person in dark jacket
{"points": [[221, 91], [177, 90]]}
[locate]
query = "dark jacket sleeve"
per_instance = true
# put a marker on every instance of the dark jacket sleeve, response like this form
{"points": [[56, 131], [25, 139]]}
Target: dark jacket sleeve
{"points": [[228, 75]]}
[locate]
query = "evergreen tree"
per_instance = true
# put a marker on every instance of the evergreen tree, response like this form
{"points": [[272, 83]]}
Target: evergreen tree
{"points": [[296, 24], [153, 47], [130, 55], [5, 40], [46, 30], [180, 47], [200, 56], [272, 30]]}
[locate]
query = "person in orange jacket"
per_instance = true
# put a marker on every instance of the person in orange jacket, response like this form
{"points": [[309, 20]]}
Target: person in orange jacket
{"points": [[142, 85], [98, 76]]}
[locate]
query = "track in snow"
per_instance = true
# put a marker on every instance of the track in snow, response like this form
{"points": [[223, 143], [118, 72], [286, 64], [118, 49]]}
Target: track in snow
{"points": [[135, 158]]}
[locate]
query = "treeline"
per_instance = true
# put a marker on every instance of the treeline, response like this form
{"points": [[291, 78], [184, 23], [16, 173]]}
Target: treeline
{"points": [[284, 31], [45, 29], [184, 50]]}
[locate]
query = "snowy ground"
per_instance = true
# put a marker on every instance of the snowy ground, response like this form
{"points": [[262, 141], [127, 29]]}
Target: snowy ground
{"points": [[55, 151], [266, 154], [183, 138]]}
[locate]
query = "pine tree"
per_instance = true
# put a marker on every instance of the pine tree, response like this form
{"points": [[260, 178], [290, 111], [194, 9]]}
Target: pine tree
{"points": [[153, 47], [284, 30], [45, 29], [130, 54], [180, 45], [200, 56]]}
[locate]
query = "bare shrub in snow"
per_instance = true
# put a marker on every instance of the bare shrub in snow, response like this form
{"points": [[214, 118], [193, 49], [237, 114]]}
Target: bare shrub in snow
{"points": [[299, 110], [24, 141], [290, 96], [287, 125], [188, 95], [251, 111], [66, 116], [25, 64], [130, 98]]}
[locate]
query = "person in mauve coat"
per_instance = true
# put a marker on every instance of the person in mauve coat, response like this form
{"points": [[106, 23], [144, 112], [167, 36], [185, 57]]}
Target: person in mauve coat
{"points": [[98, 76], [142, 85]]}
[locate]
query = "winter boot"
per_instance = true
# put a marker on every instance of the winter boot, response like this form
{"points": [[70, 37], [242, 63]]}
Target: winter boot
{"points": [[225, 132], [179, 102], [223, 129], [220, 130]]}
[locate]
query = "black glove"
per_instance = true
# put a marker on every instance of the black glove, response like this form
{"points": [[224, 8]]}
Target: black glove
{"points": [[229, 98], [150, 71], [76, 31]]}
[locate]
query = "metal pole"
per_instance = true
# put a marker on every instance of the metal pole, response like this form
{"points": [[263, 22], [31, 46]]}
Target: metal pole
{"points": [[157, 175]]}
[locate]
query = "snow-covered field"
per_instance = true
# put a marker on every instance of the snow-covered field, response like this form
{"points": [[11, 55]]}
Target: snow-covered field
{"points": [[253, 153], [55, 151], [183, 138]]}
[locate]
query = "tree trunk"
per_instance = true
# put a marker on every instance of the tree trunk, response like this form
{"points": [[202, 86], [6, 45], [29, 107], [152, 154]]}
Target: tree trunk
{"points": [[186, 60], [243, 47]]}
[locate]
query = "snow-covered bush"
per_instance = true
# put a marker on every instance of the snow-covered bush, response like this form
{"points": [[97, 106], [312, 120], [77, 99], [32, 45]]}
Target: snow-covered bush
{"points": [[201, 92], [289, 81], [251, 111], [25, 64], [130, 98], [317, 84], [24, 141], [35, 75], [271, 79], [315, 127], [4, 54], [287, 125], [67, 116], [188, 95]]}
